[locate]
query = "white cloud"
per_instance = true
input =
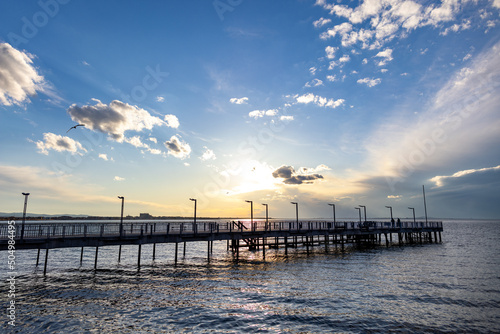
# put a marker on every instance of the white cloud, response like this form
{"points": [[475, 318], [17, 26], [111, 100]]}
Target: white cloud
{"points": [[136, 141], [59, 143], [286, 118], [396, 197], [318, 100], [172, 121], [388, 19], [313, 70], [440, 180], [18, 78], [330, 52], [208, 154], [177, 148], [160, 99], [114, 119], [314, 83], [341, 29], [103, 156], [153, 139], [369, 82], [331, 78], [344, 59], [386, 54], [235, 100], [117, 178], [261, 113], [322, 21]]}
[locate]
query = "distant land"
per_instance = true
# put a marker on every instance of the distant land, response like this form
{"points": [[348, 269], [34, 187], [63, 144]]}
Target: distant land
{"points": [[145, 216]]}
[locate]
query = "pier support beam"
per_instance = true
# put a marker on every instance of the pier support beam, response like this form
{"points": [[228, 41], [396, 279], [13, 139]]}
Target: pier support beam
{"points": [[95, 260], [46, 260], [37, 257], [176, 248], [264, 248], [139, 257], [119, 253], [81, 257], [208, 250]]}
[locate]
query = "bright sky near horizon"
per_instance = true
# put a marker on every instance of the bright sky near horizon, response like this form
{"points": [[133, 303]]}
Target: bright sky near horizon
{"points": [[317, 102]]}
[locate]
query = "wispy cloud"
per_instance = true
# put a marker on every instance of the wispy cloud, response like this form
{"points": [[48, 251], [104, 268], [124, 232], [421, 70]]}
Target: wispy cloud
{"points": [[459, 119], [442, 179]]}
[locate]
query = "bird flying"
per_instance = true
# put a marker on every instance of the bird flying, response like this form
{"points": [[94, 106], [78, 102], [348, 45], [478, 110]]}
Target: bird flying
{"points": [[74, 127]]}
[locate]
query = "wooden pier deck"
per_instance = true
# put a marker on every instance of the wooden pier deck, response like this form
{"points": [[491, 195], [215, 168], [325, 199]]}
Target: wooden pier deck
{"points": [[253, 235]]}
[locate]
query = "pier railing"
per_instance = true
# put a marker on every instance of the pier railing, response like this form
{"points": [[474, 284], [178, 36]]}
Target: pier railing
{"points": [[83, 229]]}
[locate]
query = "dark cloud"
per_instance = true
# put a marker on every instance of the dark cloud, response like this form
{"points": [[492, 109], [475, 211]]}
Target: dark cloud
{"points": [[289, 176], [177, 148]]}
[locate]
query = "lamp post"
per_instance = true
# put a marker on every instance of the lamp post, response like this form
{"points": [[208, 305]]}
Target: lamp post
{"points": [[413, 214], [296, 212], [364, 207], [333, 206], [359, 211], [267, 215], [121, 216], [194, 222], [24, 213], [390, 208], [251, 213]]}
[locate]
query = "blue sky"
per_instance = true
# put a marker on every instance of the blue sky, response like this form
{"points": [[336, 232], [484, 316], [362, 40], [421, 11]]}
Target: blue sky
{"points": [[352, 103]]}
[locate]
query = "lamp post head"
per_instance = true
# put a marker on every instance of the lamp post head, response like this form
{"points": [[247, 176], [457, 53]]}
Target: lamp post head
{"points": [[193, 199], [26, 194], [411, 208], [249, 201], [121, 197], [389, 207], [363, 206], [294, 203], [264, 204], [331, 204]]}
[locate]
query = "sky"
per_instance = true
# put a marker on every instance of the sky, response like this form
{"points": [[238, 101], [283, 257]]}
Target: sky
{"points": [[310, 101]]}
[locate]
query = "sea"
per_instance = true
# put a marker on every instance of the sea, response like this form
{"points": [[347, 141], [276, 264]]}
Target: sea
{"points": [[447, 287]]}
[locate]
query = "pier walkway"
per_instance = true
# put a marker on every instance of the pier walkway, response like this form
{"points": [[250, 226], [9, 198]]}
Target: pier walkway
{"points": [[253, 235]]}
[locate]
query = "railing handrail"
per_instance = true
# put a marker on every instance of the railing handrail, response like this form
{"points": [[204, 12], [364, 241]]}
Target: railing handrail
{"points": [[100, 229]]}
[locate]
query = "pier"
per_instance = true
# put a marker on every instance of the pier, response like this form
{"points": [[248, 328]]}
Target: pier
{"points": [[256, 236]]}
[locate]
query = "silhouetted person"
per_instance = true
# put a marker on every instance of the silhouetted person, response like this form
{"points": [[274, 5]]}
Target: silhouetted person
{"points": [[392, 222], [399, 222]]}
